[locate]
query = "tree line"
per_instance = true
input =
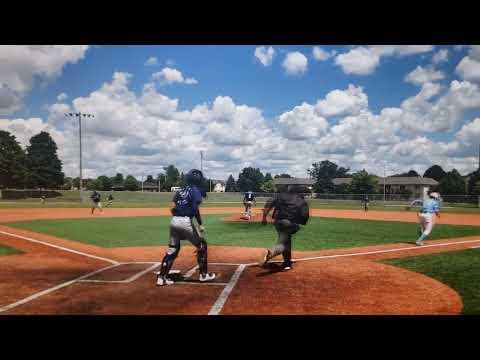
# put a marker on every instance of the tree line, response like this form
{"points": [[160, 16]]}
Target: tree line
{"points": [[38, 167], [35, 167]]}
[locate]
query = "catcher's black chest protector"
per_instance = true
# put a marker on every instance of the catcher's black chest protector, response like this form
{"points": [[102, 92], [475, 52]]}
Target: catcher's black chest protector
{"points": [[293, 207]]}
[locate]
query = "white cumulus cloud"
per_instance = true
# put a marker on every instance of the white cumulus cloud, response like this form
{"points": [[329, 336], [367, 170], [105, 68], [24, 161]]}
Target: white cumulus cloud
{"points": [[20, 65], [343, 102], [151, 61], [440, 56], [295, 63], [62, 97], [265, 55], [422, 75], [358, 61], [321, 55], [170, 76]]}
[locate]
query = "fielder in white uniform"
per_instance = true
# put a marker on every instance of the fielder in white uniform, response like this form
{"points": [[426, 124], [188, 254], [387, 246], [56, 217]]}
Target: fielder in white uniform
{"points": [[430, 207]]}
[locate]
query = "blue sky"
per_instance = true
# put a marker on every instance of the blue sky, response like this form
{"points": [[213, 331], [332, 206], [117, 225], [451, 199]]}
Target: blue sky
{"points": [[227, 77]]}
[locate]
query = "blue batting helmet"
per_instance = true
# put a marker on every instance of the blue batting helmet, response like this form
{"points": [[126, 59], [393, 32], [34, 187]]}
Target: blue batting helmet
{"points": [[194, 177]]}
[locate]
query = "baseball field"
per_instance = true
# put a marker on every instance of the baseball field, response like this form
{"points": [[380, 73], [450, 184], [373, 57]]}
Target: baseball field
{"points": [[63, 260]]}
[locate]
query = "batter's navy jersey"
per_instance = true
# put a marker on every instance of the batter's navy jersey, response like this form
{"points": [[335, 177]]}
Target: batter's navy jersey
{"points": [[187, 201], [249, 196]]}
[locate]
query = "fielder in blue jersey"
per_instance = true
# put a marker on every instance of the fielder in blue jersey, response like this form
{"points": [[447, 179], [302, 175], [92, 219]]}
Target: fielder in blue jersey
{"points": [[248, 201], [429, 207]]}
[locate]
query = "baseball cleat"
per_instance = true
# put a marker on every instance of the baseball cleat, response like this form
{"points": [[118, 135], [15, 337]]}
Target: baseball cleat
{"points": [[287, 266], [163, 280], [266, 257], [419, 243], [207, 277]]}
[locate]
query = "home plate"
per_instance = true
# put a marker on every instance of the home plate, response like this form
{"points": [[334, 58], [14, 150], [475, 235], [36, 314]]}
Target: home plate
{"points": [[173, 272]]}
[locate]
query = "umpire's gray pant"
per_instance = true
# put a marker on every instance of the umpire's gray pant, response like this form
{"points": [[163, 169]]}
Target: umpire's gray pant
{"points": [[285, 229]]}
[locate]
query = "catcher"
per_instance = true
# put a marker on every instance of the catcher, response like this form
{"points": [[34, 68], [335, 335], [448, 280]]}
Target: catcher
{"points": [[429, 206], [185, 207]]}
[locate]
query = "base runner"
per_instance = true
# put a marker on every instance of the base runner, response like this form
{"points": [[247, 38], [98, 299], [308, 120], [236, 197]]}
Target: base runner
{"points": [[429, 207]]}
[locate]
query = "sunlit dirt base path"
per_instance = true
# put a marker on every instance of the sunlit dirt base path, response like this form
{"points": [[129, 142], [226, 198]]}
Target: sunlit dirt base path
{"points": [[58, 276], [8, 215]]}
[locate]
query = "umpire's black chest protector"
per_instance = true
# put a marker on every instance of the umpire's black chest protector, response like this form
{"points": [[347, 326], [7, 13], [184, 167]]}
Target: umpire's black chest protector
{"points": [[287, 206]]}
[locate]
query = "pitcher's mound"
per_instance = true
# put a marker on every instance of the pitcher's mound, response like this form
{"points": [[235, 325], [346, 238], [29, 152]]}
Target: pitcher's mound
{"points": [[243, 218]]}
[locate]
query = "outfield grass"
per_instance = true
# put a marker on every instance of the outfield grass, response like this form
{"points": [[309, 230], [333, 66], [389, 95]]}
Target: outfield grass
{"points": [[458, 269], [6, 250], [320, 233]]}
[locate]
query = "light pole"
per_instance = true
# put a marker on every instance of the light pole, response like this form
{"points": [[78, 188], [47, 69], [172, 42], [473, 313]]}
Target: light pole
{"points": [[384, 182], [79, 115]]}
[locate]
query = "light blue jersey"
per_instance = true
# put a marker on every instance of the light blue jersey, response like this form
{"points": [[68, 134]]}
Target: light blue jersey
{"points": [[430, 206]]}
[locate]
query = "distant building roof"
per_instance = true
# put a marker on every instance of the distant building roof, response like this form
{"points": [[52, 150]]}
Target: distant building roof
{"points": [[408, 180], [293, 181], [394, 180], [341, 181]]}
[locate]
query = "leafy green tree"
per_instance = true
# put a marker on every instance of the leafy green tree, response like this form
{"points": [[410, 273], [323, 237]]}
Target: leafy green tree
{"points": [[452, 184], [104, 183], [472, 182], [363, 183], [283, 176], [45, 168], [172, 177], [149, 179], [268, 177], [476, 189], [250, 179], [230, 185], [268, 186], [435, 172], [323, 173], [411, 173], [161, 178], [342, 189], [13, 170], [67, 183], [117, 180], [130, 183]]}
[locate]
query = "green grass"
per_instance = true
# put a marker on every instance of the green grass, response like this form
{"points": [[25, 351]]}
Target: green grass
{"points": [[5, 250], [459, 269], [320, 233]]}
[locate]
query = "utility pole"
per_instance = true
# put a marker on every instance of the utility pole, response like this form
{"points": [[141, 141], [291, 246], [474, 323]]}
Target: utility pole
{"points": [[142, 183], [79, 115], [384, 182], [201, 161]]}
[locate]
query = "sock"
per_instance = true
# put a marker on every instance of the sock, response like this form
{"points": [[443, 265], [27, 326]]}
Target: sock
{"points": [[422, 237]]}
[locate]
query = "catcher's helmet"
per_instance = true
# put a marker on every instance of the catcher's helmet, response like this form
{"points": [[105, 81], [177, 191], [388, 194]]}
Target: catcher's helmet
{"points": [[194, 177]]}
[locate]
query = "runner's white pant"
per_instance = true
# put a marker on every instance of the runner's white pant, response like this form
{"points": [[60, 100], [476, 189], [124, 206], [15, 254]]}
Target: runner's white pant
{"points": [[426, 222]]}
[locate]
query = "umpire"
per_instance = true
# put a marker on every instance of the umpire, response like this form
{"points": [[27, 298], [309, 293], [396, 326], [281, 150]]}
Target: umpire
{"points": [[290, 211]]}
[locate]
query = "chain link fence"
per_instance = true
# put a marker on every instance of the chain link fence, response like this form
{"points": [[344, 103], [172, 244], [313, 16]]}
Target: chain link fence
{"points": [[162, 198]]}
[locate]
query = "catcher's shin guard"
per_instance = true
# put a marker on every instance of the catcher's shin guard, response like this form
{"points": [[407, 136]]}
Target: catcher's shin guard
{"points": [[202, 257], [168, 259]]}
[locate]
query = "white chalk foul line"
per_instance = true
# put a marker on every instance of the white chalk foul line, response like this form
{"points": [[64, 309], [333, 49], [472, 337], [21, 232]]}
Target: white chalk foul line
{"points": [[60, 248], [52, 289], [141, 273], [218, 306], [375, 252]]}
